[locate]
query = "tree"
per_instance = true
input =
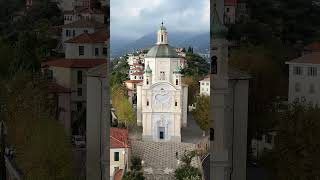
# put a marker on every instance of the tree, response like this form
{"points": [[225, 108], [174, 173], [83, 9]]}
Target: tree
{"points": [[43, 150], [201, 113], [186, 171], [193, 88], [120, 102], [197, 66], [296, 154], [133, 175]]}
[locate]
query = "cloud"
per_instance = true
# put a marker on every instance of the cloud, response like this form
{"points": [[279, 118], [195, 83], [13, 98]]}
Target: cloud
{"points": [[135, 18]]}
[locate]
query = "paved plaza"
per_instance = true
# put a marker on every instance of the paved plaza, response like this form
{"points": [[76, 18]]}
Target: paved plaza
{"points": [[160, 158]]}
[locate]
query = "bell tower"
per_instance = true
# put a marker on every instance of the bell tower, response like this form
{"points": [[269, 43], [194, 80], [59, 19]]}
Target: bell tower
{"points": [[162, 35], [220, 159]]}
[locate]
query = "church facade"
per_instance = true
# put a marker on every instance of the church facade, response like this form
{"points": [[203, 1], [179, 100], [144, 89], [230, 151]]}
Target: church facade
{"points": [[162, 97]]}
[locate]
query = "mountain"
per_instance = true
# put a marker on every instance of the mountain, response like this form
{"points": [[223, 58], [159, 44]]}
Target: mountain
{"points": [[200, 42]]}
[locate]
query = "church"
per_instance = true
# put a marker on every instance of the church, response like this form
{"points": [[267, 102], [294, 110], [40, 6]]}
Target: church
{"points": [[162, 97]]}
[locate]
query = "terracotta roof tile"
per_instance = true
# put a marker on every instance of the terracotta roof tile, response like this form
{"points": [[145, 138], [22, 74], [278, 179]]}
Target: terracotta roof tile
{"points": [[100, 36], [118, 138], [134, 81], [74, 63], [230, 2], [118, 174], [312, 58], [315, 46], [137, 73]]}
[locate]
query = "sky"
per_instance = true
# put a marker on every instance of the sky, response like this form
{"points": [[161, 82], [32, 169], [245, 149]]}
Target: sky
{"points": [[132, 19]]}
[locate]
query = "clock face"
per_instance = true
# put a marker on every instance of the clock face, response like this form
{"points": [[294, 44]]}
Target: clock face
{"points": [[162, 98]]}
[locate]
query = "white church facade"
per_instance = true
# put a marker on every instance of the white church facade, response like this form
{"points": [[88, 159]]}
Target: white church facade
{"points": [[161, 97]]}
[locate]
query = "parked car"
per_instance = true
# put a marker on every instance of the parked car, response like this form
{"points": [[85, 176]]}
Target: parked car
{"points": [[79, 141]]}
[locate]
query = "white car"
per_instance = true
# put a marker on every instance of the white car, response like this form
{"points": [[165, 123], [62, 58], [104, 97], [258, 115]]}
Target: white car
{"points": [[79, 141]]}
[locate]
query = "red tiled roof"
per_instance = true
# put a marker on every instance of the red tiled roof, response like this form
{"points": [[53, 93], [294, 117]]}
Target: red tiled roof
{"points": [[230, 2], [56, 88], [312, 58], [137, 68], [118, 174], [74, 63], [118, 138], [100, 36], [315, 46], [136, 64], [134, 81], [137, 73]]}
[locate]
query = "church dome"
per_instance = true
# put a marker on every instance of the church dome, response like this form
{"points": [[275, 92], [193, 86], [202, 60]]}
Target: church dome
{"points": [[162, 51]]}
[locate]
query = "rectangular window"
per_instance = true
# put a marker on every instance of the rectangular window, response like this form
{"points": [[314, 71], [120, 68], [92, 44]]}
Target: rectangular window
{"points": [[79, 77], [79, 106], [297, 70], [116, 156], [312, 71], [105, 51], [68, 33], [79, 91], [96, 51], [81, 50], [74, 33]]}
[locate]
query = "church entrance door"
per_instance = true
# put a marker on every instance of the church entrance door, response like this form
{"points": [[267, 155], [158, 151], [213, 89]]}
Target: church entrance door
{"points": [[161, 133]]}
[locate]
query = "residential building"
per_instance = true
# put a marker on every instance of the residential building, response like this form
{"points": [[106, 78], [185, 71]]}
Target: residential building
{"points": [[76, 28], [304, 75], [262, 144], [230, 7], [83, 13], [205, 86], [82, 53], [119, 149], [162, 98]]}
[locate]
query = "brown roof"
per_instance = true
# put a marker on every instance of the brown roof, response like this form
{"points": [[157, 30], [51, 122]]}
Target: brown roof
{"points": [[118, 138], [118, 174], [84, 23], [315, 46], [137, 73], [134, 81], [100, 36], [230, 2], [56, 88], [74, 63], [312, 58]]}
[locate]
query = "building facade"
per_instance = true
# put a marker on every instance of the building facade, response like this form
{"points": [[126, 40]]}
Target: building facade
{"points": [[162, 98], [205, 86], [304, 75]]}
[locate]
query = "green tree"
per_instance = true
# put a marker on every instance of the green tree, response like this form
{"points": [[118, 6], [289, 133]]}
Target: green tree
{"points": [[133, 175], [197, 66], [296, 154], [186, 171], [201, 113], [43, 150], [193, 88]]}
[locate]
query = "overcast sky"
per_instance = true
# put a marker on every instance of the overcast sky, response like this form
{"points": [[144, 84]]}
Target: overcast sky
{"points": [[135, 18]]}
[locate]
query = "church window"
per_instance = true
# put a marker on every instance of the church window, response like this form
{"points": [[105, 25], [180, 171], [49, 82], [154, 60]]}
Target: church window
{"points": [[147, 81], [177, 81], [162, 75], [176, 103], [147, 103], [161, 38]]}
